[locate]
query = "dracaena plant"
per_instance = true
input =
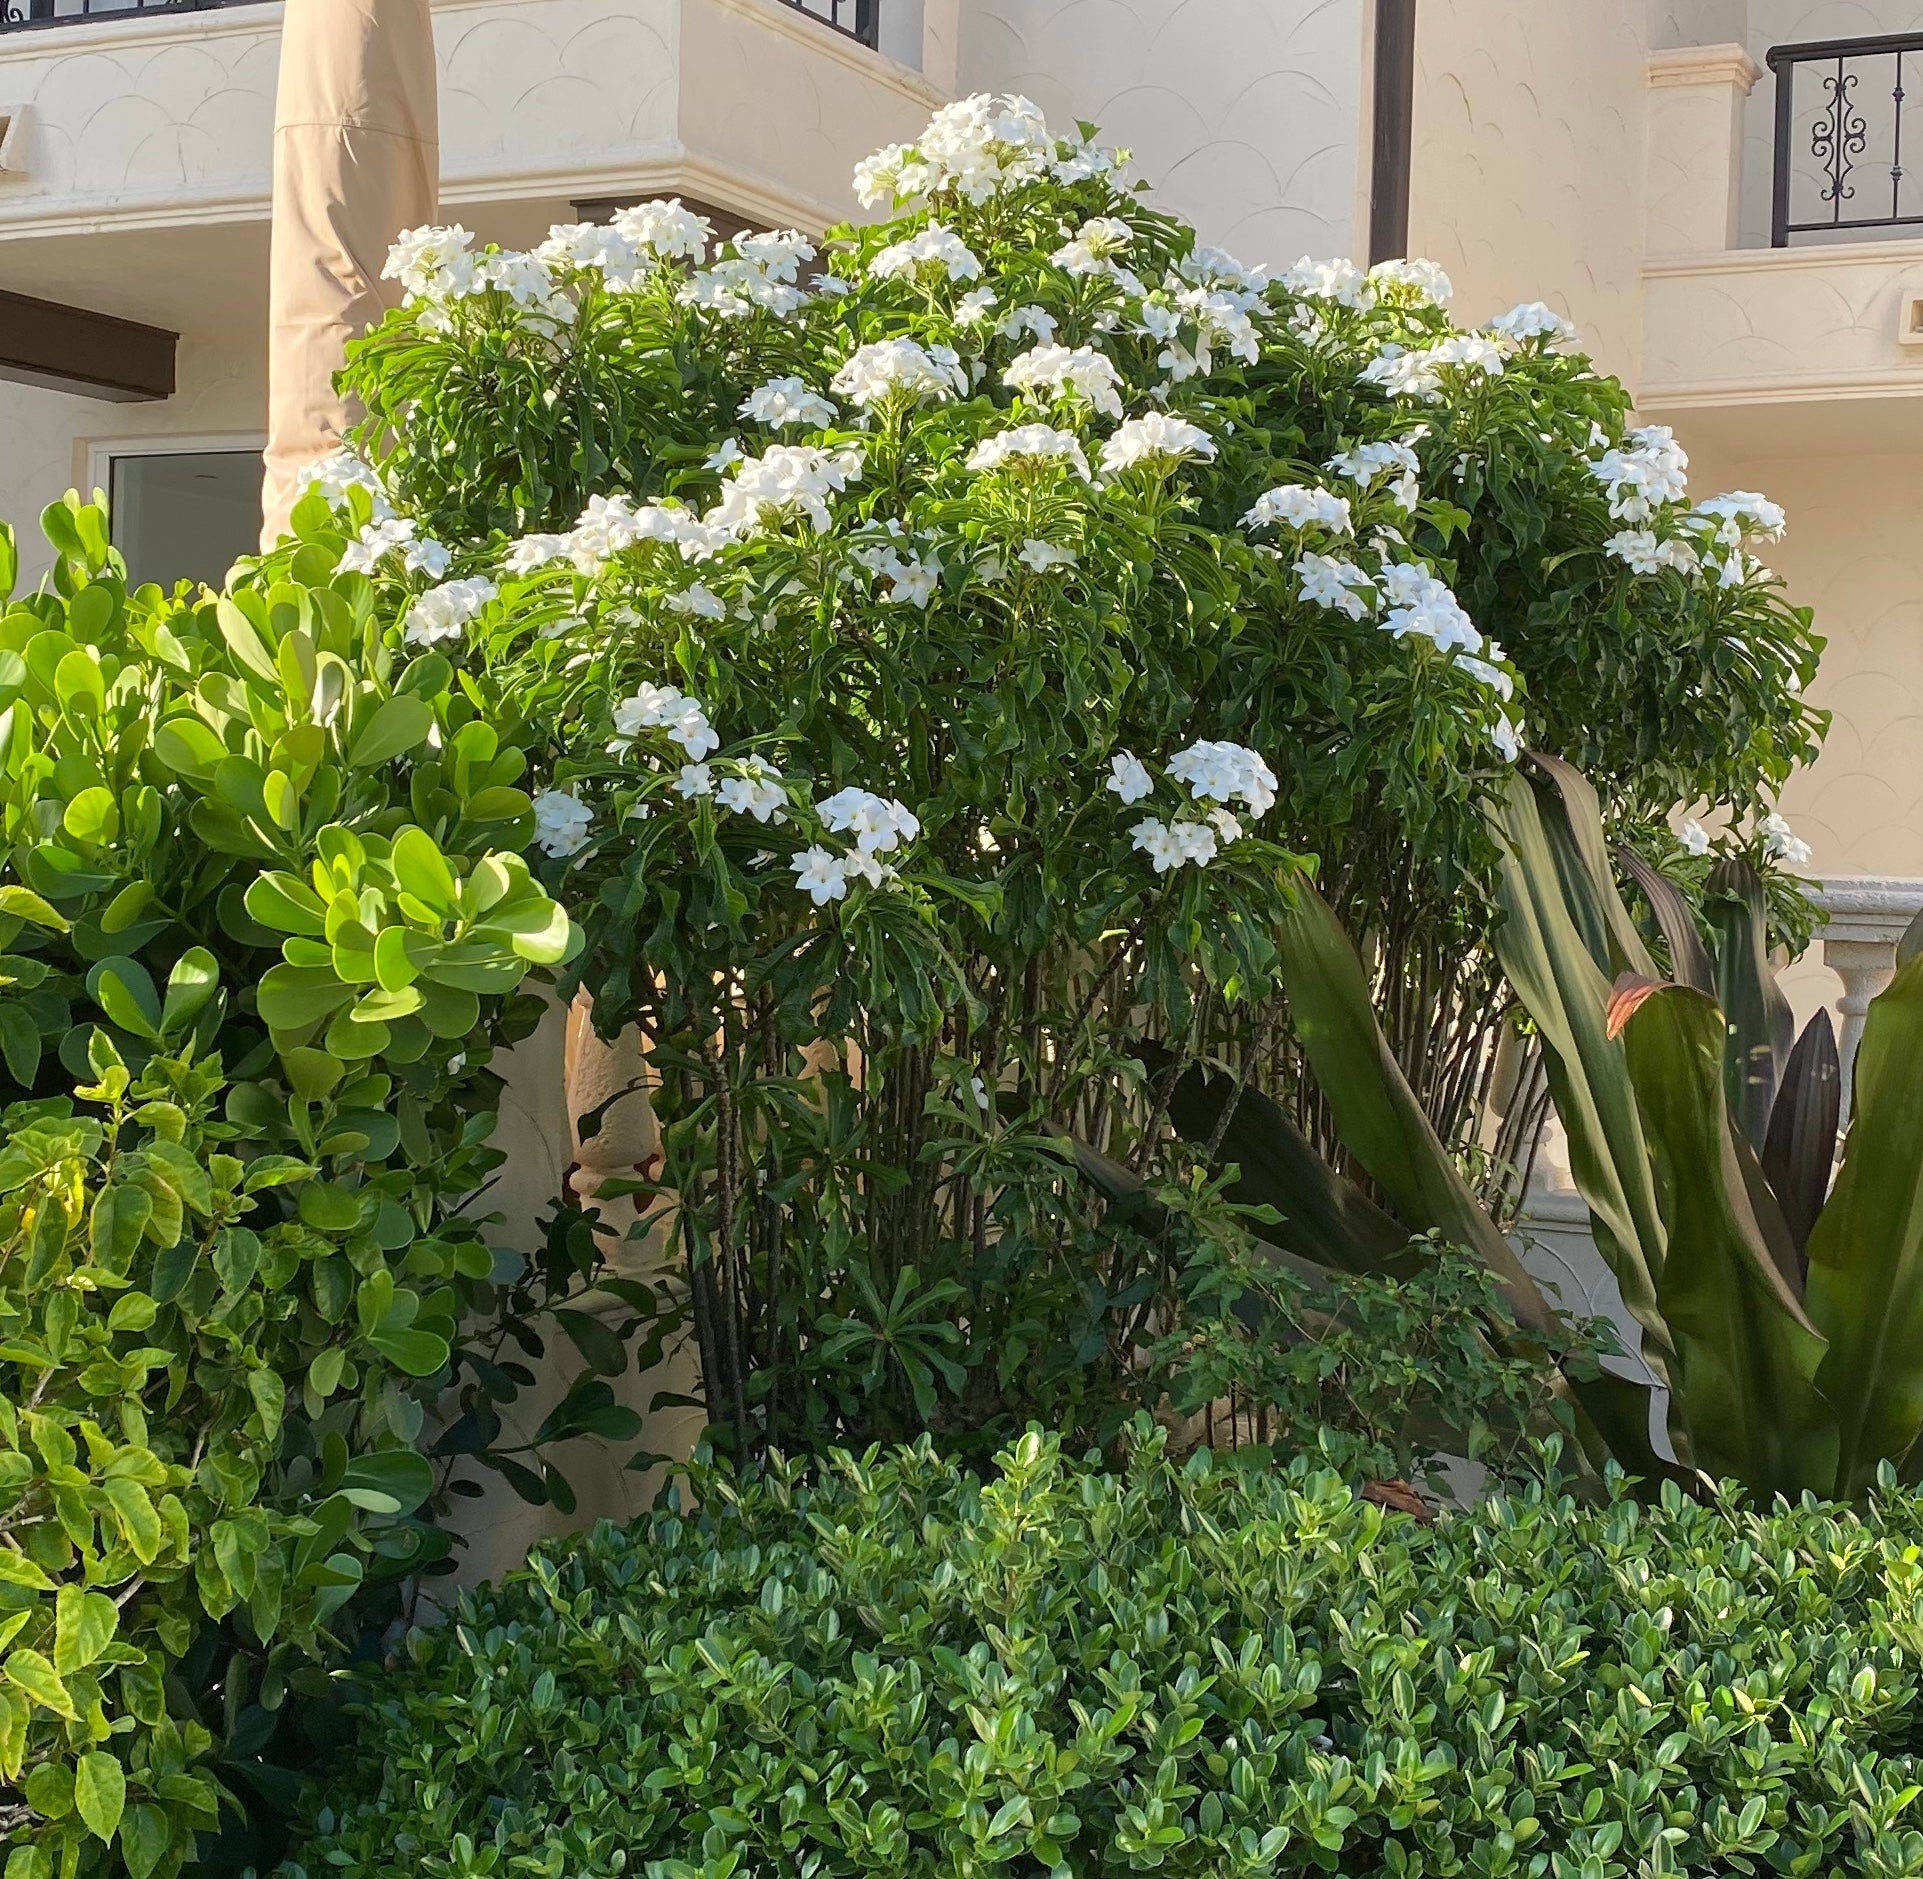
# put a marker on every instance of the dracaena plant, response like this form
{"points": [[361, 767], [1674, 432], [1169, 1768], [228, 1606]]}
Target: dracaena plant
{"points": [[264, 923], [939, 645]]}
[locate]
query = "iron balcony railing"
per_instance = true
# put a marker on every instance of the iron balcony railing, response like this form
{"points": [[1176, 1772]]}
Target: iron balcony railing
{"points": [[1845, 120], [858, 19]]}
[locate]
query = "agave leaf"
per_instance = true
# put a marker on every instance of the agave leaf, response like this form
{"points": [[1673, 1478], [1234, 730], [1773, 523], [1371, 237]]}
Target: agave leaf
{"points": [[1552, 971], [1747, 1354], [1572, 827], [1376, 1113], [1689, 962], [1866, 1249], [1799, 1152], [1324, 1218], [1761, 1029]]}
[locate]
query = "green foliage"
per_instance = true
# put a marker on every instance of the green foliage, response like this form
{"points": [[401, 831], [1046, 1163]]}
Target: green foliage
{"points": [[1380, 1374], [1220, 1669], [242, 1272]]}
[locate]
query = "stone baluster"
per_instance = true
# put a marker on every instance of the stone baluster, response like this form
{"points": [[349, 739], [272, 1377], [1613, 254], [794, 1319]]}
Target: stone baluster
{"points": [[1865, 916]]}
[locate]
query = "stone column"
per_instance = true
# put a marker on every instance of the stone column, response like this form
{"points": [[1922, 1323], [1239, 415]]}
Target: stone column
{"points": [[1696, 98]]}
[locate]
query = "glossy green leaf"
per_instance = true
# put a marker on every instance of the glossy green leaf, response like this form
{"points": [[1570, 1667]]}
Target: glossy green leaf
{"points": [[1760, 1025], [1799, 1152], [191, 984], [100, 1793], [398, 727], [125, 991]]}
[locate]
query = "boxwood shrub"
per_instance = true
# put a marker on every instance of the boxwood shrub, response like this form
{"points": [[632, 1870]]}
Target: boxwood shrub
{"points": [[1219, 1668]]}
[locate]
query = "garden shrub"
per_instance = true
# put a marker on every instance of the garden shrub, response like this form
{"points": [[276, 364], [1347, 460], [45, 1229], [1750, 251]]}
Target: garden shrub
{"points": [[940, 648], [252, 974], [889, 1666]]}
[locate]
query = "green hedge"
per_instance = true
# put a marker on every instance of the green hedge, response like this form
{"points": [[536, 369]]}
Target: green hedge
{"points": [[1215, 1669]]}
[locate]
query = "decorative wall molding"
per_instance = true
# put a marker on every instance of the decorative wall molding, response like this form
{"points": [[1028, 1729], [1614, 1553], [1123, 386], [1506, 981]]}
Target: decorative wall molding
{"points": [[1704, 65]]}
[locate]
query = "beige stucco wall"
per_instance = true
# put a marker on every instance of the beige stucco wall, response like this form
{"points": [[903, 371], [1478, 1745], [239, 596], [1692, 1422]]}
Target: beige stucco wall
{"points": [[1529, 157], [1245, 114]]}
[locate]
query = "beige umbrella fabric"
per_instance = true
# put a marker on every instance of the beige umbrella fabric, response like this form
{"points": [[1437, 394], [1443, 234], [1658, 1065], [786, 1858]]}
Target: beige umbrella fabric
{"points": [[356, 160]]}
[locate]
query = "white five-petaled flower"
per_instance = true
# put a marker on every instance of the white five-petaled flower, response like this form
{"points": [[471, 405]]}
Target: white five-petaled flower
{"points": [[1694, 838], [441, 612], [333, 475], [1093, 247], [391, 534], [1041, 557], [561, 822], [1733, 518], [1366, 463], [665, 708], [975, 306], [697, 600], [1301, 506], [1420, 604], [1644, 552], [820, 874], [932, 250], [696, 779], [1081, 371], [787, 403], [1128, 777], [1031, 446], [1173, 844], [756, 791], [1156, 439]]}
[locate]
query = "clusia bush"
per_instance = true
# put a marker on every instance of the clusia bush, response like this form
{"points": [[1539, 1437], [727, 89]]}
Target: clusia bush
{"points": [[942, 646]]}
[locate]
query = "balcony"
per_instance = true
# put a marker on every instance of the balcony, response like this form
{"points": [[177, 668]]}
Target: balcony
{"points": [[1817, 339]]}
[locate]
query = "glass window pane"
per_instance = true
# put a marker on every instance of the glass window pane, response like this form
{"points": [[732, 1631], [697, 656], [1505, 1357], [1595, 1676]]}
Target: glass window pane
{"points": [[186, 516]]}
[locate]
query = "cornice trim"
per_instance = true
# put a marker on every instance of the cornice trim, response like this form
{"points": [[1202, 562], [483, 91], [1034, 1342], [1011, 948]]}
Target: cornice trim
{"points": [[1727, 65]]}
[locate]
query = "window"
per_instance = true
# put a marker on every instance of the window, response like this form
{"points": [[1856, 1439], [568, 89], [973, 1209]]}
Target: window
{"points": [[184, 515]]}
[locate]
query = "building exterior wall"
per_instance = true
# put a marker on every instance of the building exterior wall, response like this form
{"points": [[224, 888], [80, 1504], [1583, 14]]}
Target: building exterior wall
{"points": [[1527, 180], [1245, 115]]}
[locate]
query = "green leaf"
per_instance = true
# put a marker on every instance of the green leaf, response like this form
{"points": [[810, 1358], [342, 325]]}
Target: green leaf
{"points": [[135, 1512], [120, 1217], [1747, 1354], [93, 816], [422, 871], [400, 725], [189, 746], [1761, 1028], [1376, 1113], [416, 1353], [19, 1042], [398, 1477], [245, 643], [193, 981], [1689, 961], [293, 998], [100, 1793], [30, 1672], [24, 904], [84, 1625], [1556, 977], [125, 992], [144, 1839], [1865, 1289], [1799, 1152]]}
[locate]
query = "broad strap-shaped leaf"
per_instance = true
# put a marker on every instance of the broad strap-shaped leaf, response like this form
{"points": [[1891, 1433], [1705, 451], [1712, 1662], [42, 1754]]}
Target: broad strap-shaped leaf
{"points": [[1375, 1112], [1761, 1029], [1799, 1152], [1689, 961], [1747, 1355], [1324, 1218], [1563, 989], [1572, 828], [1866, 1249]]}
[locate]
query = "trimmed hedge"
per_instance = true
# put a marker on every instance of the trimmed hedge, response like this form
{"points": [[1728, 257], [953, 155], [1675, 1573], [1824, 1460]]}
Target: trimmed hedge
{"points": [[1218, 1669]]}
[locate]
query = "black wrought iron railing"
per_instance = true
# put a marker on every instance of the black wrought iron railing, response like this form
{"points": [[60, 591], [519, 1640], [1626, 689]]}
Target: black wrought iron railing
{"points": [[859, 19], [24, 15], [1849, 134]]}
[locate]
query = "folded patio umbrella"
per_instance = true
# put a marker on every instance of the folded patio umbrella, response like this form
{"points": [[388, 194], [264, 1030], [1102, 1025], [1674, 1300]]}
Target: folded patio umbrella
{"points": [[356, 159]]}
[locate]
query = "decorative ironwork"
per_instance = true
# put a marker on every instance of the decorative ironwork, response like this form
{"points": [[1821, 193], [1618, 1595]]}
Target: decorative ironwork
{"points": [[859, 19], [24, 15], [1844, 108]]}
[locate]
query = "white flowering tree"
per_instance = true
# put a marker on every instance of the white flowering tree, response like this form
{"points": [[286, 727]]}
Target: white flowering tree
{"points": [[945, 642]]}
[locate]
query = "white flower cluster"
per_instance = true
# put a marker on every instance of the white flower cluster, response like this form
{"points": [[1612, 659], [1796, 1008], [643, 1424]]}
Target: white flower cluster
{"points": [[1217, 775], [761, 275], [1365, 464], [631, 248], [1419, 372], [607, 526], [332, 476], [391, 535], [888, 369], [561, 823], [1030, 445], [755, 788], [664, 708], [879, 824], [1092, 253], [1420, 604], [931, 251], [975, 146], [786, 482], [1192, 321], [1533, 320], [912, 578], [1301, 506], [1343, 284], [1641, 475], [442, 612], [1156, 440], [788, 404], [1782, 843], [1064, 371]]}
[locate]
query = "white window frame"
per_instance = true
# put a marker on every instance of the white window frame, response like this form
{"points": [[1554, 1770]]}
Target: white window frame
{"points": [[101, 451]]}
